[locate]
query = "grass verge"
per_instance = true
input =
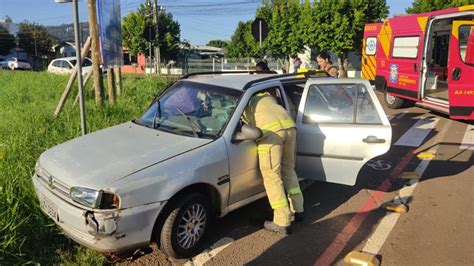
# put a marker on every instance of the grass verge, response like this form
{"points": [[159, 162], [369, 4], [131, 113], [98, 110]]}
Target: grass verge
{"points": [[27, 128]]}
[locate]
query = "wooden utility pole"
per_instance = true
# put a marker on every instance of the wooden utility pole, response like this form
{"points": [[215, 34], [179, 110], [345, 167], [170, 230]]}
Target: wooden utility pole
{"points": [[110, 85], [118, 80], [72, 78], [156, 11], [94, 33]]}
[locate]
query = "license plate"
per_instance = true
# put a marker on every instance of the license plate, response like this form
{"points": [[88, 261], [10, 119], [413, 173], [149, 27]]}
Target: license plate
{"points": [[47, 206]]}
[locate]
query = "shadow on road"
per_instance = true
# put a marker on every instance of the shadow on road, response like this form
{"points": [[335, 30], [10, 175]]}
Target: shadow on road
{"points": [[325, 219]]}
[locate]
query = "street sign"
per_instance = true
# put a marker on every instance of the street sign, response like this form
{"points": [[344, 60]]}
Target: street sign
{"points": [[259, 29], [149, 33]]}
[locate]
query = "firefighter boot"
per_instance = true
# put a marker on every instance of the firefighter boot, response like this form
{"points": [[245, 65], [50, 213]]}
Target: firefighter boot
{"points": [[273, 227]]}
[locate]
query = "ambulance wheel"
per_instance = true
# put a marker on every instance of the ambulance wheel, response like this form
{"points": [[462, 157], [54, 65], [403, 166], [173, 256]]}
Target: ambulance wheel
{"points": [[185, 226], [393, 102]]}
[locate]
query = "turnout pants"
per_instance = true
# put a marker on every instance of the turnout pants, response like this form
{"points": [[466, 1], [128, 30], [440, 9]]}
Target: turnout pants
{"points": [[276, 154]]}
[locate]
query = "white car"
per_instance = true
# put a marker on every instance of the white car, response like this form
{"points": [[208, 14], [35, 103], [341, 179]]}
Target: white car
{"points": [[188, 158], [66, 65], [14, 63]]}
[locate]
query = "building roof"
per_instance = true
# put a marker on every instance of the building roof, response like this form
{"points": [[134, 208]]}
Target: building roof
{"points": [[73, 44], [206, 48]]}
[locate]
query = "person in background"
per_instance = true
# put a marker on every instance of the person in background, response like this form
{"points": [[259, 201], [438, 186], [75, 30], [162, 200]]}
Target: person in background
{"points": [[276, 155], [325, 63], [296, 64], [262, 66]]}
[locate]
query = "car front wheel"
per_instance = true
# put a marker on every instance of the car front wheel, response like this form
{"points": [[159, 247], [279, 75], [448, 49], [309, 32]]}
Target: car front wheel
{"points": [[185, 226]]}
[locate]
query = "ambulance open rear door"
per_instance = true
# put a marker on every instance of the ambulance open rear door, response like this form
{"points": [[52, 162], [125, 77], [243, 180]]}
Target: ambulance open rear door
{"points": [[461, 70]]}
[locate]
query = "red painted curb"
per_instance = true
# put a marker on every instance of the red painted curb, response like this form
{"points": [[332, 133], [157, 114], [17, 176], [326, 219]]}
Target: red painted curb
{"points": [[341, 240]]}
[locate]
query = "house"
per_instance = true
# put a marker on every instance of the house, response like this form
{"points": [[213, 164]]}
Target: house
{"points": [[205, 51], [65, 49], [11, 27], [133, 64]]}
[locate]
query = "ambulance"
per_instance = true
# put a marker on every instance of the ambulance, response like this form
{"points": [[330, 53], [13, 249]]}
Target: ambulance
{"points": [[427, 59]]}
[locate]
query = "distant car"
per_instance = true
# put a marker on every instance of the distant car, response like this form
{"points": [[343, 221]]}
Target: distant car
{"points": [[188, 158], [14, 63], [66, 65]]}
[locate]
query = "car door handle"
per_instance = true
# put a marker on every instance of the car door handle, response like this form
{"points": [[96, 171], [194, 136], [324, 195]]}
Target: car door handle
{"points": [[373, 139], [456, 73], [415, 67]]}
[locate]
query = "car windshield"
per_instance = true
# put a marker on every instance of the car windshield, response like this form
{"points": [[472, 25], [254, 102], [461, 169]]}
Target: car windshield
{"points": [[192, 109]]}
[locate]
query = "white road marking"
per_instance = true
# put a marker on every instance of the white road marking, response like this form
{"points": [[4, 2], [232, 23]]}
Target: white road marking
{"points": [[386, 225], [417, 133], [207, 255], [468, 140]]}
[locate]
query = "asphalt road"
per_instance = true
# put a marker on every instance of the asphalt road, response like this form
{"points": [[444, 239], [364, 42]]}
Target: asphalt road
{"points": [[437, 187]]}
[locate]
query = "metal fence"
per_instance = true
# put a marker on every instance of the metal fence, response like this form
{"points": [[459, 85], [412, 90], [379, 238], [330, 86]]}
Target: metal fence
{"points": [[225, 64], [211, 64]]}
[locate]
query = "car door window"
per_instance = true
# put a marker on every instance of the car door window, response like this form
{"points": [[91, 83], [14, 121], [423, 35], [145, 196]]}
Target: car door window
{"points": [[339, 104], [86, 62], [340, 126], [67, 65]]}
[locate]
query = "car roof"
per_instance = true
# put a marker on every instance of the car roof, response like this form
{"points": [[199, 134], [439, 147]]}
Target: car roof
{"points": [[68, 58], [234, 81]]}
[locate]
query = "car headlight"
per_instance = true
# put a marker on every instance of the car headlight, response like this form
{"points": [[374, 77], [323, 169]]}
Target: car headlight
{"points": [[94, 198], [39, 171], [37, 168]]}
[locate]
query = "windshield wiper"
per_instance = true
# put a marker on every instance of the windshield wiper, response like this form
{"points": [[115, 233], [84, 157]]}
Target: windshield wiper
{"points": [[157, 114], [192, 124]]}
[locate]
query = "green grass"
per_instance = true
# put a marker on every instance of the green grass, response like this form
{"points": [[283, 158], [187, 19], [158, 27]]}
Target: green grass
{"points": [[27, 128]]}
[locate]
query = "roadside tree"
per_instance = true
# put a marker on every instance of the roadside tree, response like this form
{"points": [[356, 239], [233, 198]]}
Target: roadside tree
{"points": [[285, 36], [134, 24], [338, 26], [242, 44], [35, 39], [420, 6], [218, 43], [7, 41]]}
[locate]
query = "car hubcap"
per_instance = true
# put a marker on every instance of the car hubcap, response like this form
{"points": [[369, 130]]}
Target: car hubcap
{"points": [[191, 226], [390, 98]]}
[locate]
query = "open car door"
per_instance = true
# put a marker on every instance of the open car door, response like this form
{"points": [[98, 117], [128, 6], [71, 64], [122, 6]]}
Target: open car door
{"points": [[461, 71], [341, 125]]}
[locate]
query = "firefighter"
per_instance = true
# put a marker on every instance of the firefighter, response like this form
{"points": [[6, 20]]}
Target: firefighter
{"points": [[276, 153]]}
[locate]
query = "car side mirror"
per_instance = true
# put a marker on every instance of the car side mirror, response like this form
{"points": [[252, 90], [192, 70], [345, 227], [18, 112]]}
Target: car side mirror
{"points": [[247, 132]]}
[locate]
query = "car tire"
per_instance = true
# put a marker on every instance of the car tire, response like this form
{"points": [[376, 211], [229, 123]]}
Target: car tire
{"points": [[185, 226], [393, 102]]}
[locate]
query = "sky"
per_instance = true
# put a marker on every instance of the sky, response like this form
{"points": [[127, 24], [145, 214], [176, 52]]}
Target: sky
{"points": [[200, 20]]}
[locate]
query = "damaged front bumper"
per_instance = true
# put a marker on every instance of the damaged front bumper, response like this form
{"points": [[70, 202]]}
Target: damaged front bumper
{"points": [[106, 231]]}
